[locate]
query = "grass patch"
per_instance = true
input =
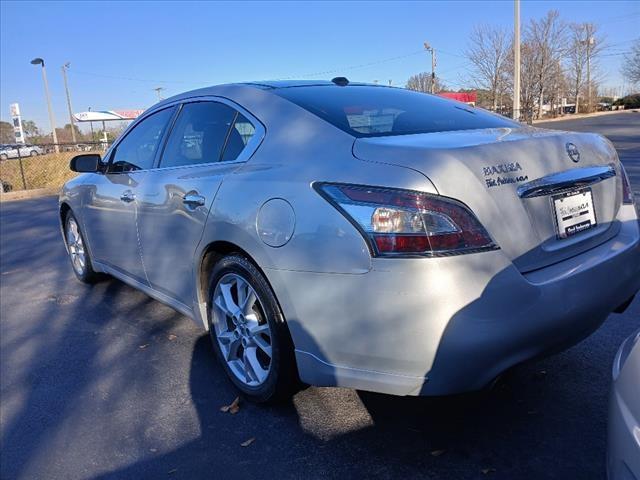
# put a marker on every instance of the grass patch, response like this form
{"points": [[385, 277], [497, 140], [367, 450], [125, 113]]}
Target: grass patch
{"points": [[42, 171]]}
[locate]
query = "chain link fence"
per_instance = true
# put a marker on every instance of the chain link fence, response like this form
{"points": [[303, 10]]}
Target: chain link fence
{"points": [[27, 167]]}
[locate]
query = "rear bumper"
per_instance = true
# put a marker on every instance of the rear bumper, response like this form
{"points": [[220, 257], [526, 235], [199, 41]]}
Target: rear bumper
{"points": [[574, 297], [448, 325]]}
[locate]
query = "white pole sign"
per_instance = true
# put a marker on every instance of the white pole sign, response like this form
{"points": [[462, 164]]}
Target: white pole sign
{"points": [[17, 122]]}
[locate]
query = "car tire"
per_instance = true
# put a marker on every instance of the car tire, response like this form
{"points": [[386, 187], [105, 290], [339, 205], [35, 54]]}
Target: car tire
{"points": [[77, 251], [33, 153], [3, 156], [234, 337]]}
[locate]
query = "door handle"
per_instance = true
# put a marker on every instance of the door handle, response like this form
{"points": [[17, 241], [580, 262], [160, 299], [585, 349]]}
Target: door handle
{"points": [[128, 196], [193, 199]]}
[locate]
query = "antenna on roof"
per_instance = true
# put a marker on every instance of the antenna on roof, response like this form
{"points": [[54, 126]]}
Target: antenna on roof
{"points": [[340, 81]]}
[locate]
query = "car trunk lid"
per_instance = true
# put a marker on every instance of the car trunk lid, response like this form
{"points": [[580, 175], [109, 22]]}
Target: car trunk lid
{"points": [[510, 178]]}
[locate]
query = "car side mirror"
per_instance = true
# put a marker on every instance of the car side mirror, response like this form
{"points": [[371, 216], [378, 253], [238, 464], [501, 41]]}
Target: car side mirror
{"points": [[85, 163]]}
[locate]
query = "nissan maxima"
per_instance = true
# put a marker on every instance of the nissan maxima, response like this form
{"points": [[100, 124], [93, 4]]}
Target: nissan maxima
{"points": [[343, 234]]}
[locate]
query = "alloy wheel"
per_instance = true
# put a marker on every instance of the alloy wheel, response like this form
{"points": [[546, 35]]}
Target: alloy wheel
{"points": [[76, 247], [242, 330]]}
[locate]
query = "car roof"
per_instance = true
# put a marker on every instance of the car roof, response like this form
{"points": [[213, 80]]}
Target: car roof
{"points": [[229, 89], [272, 84]]}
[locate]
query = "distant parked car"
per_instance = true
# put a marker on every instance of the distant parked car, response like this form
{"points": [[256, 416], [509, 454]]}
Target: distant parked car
{"points": [[623, 456], [11, 151]]}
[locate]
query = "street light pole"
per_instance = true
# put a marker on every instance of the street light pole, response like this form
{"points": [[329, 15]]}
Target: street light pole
{"points": [[66, 89], [429, 48], [40, 61], [158, 90], [516, 60]]}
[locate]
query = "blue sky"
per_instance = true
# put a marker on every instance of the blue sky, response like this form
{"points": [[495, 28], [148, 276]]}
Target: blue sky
{"points": [[120, 51]]}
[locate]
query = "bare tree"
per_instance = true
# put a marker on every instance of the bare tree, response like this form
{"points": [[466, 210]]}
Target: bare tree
{"points": [[577, 61], [557, 88], [30, 129], [631, 66], [547, 40], [6, 133], [489, 51], [528, 83], [421, 82], [584, 46]]}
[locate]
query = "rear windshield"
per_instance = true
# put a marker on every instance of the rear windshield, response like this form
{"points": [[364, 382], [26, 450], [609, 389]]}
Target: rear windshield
{"points": [[369, 111]]}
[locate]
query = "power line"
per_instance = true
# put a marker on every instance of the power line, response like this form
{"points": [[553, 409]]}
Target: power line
{"points": [[118, 77], [354, 67], [452, 54], [619, 18], [306, 75], [612, 54], [621, 43]]}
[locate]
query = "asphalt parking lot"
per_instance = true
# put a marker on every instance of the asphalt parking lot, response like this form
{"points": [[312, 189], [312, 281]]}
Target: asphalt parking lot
{"points": [[104, 382]]}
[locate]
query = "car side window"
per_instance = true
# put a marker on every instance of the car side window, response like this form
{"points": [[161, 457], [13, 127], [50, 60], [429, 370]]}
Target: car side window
{"points": [[199, 135], [239, 136], [138, 149]]}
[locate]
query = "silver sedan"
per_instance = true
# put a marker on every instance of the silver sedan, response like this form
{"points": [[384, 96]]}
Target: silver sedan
{"points": [[353, 235]]}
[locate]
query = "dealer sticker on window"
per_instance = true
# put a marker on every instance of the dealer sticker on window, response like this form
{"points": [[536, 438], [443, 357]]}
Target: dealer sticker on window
{"points": [[574, 212]]}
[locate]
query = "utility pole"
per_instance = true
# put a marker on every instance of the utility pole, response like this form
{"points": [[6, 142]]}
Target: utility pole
{"points": [[40, 61], [516, 60], [158, 90], [91, 127], [429, 48], [590, 42], [66, 89]]}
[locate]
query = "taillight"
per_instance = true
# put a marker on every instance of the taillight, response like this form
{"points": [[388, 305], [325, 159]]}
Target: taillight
{"points": [[627, 193], [407, 223]]}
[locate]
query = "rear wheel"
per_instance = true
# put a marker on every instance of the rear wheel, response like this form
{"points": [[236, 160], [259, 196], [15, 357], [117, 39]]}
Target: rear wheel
{"points": [[33, 153], [248, 331], [78, 254]]}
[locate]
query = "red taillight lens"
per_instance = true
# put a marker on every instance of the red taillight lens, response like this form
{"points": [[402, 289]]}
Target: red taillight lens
{"points": [[627, 193], [402, 222]]}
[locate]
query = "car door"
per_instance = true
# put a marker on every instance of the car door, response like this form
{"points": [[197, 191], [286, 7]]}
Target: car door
{"points": [[110, 208], [209, 139]]}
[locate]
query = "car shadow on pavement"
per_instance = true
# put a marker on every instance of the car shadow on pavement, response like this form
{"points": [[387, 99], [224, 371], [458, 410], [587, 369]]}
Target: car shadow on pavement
{"points": [[341, 433], [217, 451], [60, 372]]}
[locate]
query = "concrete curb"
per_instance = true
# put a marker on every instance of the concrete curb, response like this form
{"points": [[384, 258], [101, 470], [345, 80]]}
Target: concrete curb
{"points": [[26, 194], [580, 116]]}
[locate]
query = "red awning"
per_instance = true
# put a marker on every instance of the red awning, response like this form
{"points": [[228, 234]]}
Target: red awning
{"points": [[466, 97]]}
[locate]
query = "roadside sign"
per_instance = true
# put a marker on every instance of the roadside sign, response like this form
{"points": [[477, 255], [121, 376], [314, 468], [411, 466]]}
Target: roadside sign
{"points": [[14, 109], [107, 115]]}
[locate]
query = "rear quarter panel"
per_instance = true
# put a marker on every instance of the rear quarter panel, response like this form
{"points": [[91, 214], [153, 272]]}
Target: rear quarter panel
{"points": [[286, 166], [298, 150]]}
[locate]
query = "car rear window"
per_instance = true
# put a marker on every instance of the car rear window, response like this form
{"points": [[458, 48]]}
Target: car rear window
{"points": [[370, 111]]}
